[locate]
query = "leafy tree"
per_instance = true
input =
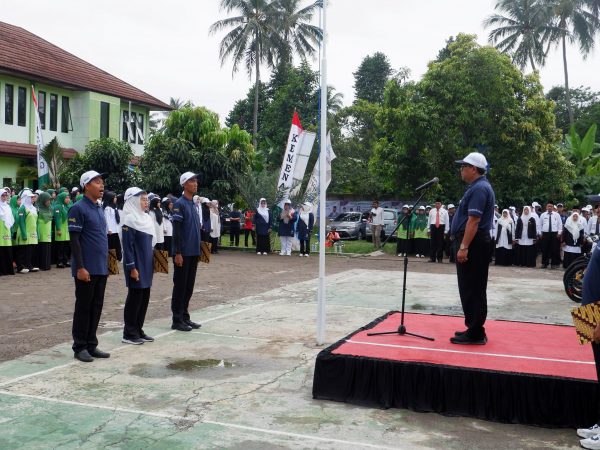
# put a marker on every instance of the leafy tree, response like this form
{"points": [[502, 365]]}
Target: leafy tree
{"points": [[584, 103], [52, 154], [584, 153], [521, 31], [371, 76], [193, 140], [158, 117], [104, 155]]}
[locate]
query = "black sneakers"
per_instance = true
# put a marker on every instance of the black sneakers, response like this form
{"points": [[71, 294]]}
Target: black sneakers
{"points": [[181, 327], [194, 325]]}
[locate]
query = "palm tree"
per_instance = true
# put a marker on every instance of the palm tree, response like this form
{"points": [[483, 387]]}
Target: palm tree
{"points": [[52, 154], [158, 118], [521, 31], [254, 39], [299, 36], [575, 21]]}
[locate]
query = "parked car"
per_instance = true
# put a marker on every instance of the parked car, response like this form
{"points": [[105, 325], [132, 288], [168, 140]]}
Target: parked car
{"points": [[390, 220], [349, 225]]}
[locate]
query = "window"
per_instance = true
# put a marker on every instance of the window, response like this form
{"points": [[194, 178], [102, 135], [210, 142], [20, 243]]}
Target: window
{"points": [[53, 111], [140, 129], [22, 107], [7, 181], [133, 128], [65, 119], [9, 104], [388, 215], [42, 108], [126, 126], [104, 118]]}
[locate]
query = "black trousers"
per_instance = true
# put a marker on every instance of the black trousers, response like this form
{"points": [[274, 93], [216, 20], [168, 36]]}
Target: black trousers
{"points": [[234, 236], [550, 249], [305, 246], [263, 243], [44, 251], [136, 306], [62, 248], [184, 278], [6, 261], [214, 245], [251, 233], [23, 255], [437, 242], [472, 282], [167, 245], [89, 299], [114, 243]]}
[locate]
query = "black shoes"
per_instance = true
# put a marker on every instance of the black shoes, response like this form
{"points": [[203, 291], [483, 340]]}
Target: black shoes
{"points": [[460, 333], [464, 339], [181, 327], [147, 338], [83, 356], [194, 325], [60, 266], [99, 354]]}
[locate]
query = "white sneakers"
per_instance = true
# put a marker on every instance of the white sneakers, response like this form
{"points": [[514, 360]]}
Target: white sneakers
{"points": [[591, 437], [24, 271]]}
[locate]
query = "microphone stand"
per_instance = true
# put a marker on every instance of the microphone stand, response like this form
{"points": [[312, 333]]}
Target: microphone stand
{"points": [[402, 328]]}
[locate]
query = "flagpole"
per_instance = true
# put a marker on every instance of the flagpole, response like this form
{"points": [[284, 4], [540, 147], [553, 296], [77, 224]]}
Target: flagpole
{"points": [[322, 184]]}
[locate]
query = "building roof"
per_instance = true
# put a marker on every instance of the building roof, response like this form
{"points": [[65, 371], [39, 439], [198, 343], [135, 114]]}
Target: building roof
{"points": [[27, 55], [27, 150]]}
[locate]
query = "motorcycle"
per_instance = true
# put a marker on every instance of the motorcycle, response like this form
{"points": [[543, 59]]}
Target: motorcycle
{"points": [[573, 276]]}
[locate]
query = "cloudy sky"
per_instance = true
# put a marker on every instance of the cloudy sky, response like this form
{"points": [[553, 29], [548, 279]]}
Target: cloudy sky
{"points": [[163, 47]]}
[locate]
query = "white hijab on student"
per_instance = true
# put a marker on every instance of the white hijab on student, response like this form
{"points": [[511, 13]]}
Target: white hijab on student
{"points": [[134, 216], [26, 196], [574, 225], [6, 215], [263, 210], [305, 211]]}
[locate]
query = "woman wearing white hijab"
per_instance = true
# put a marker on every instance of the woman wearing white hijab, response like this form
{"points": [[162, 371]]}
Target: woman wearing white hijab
{"points": [[7, 220], [304, 227], [139, 238], [525, 236], [27, 237], [572, 238], [504, 239], [262, 225], [215, 226], [286, 228]]}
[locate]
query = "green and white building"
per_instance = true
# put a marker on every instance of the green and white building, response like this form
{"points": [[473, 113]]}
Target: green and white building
{"points": [[78, 102]]}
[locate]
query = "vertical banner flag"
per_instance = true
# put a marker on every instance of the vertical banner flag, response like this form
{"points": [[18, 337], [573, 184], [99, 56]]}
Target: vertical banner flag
{"points": [[43, 175], [307, 140], [312, 190], [286, 176]]}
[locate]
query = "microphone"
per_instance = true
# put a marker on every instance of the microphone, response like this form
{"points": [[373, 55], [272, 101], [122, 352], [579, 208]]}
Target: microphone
{"points": [[431, 182]]}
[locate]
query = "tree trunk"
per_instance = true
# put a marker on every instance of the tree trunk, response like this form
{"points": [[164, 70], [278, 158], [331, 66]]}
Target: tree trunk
{"points": [[256, 88], [532, 62], [567, 91]]}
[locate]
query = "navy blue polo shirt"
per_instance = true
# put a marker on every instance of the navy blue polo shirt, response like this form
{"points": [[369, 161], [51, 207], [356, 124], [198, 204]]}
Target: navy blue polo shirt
{"points": [[185, 211], [591, 279], [87, 218], [478, 201]]}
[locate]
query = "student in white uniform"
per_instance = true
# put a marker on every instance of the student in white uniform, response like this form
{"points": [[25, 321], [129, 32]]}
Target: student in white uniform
{"points": [[113, 218]]}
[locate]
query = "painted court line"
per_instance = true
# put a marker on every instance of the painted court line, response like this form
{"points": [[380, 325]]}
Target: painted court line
{"points": [[166, 333], [231, 336], [499, 355], [187, 419]]}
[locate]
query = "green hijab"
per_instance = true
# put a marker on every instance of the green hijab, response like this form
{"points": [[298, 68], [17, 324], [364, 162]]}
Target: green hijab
{"points": [[60, 207], [79, 197], [63, 189], [45, 212], [421, 221], [14, 205]]}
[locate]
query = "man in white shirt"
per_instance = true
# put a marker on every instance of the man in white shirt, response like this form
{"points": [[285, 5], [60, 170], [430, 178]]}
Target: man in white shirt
{"points": [[593, 228], [438, 225], [551, 231], [376, 223]]}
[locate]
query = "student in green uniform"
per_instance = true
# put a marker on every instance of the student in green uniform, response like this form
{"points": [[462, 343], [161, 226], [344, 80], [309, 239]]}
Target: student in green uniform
{"points": [[421, 240], [7, 221], [27, 237], [404, 242], [44, 230], [61, 229]]}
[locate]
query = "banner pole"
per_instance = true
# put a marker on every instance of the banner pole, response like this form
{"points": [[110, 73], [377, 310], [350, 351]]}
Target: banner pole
{"points": [[322, 185]]}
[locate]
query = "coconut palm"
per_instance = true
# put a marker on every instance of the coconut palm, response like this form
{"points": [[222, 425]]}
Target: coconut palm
{"points": [[521, 30], [298, 34], [574, 21], [253, 40]]}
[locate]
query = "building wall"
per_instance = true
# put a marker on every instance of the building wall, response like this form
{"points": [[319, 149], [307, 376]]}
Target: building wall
{"points": [[8, 169], [14, 132]]}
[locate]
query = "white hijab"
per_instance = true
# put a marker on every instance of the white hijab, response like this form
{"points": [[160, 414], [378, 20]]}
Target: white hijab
{"points": [[26, 201], [6, 215], [574, 225], [305, 211], [525, 217], [263, 210], [505, 222], [138, 219]]}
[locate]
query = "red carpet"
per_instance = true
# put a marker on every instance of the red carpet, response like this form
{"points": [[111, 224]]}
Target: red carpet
{"points": [[527, 348]]}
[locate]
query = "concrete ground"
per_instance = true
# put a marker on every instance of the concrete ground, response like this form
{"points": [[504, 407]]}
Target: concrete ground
{"points": [[244, 380]]}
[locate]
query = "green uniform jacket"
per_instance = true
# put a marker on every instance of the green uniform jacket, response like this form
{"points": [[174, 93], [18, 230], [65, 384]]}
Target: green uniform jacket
{"points": [[5, 235], [27, 227], [44, 230]]}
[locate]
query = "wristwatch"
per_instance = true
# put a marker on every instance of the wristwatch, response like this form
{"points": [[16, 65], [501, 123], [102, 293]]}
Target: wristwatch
{"points": [[462, 247]]}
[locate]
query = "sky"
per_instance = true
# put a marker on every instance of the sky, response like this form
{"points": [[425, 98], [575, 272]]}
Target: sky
{"points": [[164, 47]]}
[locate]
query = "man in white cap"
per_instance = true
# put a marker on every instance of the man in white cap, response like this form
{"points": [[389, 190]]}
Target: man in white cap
{"points": [[471, 232], [89, 267], [186, 248]]}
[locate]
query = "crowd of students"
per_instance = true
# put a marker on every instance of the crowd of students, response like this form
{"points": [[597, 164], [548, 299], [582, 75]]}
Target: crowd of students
{"points": [[518, 236]]}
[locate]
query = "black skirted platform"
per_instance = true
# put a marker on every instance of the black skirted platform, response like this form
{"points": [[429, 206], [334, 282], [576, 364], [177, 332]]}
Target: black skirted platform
{"points": [[528, 373]]}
